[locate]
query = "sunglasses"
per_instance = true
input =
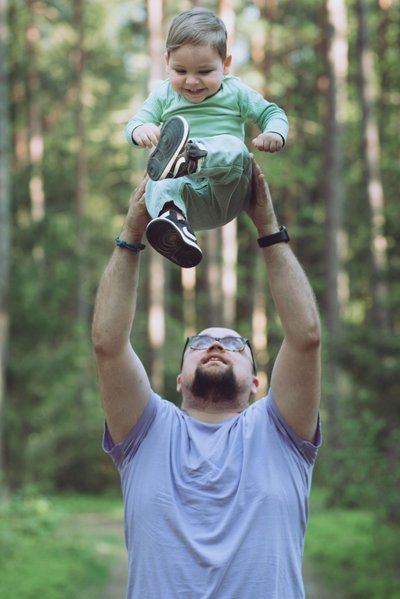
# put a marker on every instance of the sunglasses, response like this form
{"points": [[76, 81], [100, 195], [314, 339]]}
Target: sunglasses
{"points": [[231, 343]]}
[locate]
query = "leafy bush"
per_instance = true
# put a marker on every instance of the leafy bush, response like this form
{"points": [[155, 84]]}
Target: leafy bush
{"points": [[40, 557], [355, 552]]}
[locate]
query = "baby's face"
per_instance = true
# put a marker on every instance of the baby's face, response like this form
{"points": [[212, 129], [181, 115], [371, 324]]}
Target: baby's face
{"points": [[196, 72]]}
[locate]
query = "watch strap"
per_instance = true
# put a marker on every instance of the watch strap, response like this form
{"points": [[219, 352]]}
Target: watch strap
{"points": [[279, 237]]}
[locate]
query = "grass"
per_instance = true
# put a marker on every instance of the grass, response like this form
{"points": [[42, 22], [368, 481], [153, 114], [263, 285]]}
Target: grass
{"points": [[44, 554], [355, 552]]}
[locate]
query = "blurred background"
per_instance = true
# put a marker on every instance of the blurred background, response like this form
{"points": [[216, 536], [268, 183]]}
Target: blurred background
{"points": [[72, 73]]}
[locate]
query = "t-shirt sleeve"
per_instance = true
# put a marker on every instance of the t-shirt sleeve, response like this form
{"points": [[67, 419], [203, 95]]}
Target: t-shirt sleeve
{"points": [[150, 112], [126, 449], [269, 117], [307, 449]]}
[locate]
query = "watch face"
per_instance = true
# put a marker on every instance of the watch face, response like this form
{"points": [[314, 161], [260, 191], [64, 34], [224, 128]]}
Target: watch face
{"points": [[284, 234]]}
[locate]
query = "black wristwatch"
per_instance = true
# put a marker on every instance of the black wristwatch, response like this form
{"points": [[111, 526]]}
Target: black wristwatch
{"points": [[268, 240]]}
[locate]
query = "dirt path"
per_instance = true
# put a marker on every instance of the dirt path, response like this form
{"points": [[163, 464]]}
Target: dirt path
{"points": [[313, 584], [108, 535], [116, 586]]}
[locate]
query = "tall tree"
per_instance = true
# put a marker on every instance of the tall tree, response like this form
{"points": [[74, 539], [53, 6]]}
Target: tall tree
{"points": [[229, 272], [78, 60], [156, 315], [5, 201], [336, 63], [262, 46], [212, 264], [36, 144], [229, 231], [372, 175], [259, 324], [188, 281]]}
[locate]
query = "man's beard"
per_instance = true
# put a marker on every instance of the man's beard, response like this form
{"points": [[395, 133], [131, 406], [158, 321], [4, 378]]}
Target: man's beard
{"points": [[216, 387]]}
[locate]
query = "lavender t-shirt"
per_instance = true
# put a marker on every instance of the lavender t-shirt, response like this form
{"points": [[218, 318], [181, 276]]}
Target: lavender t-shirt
{"points": [[214, 511]]}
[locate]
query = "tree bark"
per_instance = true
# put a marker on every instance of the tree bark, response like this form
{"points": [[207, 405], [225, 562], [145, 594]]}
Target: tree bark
{"points": [[78, 58], [336, 63], [156, 322], [5, 201], [259, 324], [36, 145], [229, 275], [229, 231], [214, 289], [188, 280], [372, 175]]}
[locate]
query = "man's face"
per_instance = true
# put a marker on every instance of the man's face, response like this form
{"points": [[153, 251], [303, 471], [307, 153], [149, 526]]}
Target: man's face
{"points": [[215, 370]]}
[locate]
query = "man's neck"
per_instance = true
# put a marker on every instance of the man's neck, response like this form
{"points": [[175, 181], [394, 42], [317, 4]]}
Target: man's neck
{"points": [[210, 410], [210, 417]]}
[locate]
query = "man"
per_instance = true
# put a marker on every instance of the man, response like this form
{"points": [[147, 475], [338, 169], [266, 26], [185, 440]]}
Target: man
{"points": [[215, 493]]}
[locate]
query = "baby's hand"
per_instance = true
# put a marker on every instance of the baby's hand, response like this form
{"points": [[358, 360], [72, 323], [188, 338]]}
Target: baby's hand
{"points": [[268, 142], [146, 135]]}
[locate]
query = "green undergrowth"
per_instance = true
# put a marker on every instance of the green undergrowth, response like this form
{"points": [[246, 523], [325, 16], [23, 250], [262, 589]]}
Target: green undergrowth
{"points": [[355, 551], [46, 553]]}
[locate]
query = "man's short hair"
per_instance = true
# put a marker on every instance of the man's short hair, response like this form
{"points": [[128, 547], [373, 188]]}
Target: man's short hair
{"points": [[197, 27]]}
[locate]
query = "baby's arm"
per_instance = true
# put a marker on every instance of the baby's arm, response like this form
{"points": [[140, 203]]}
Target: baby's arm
{"points": [[269, 118], [146, 135], [268, 142]]}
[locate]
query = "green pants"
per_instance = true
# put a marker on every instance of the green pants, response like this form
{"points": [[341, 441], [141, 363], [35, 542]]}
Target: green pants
{"points": [[216, 193]]}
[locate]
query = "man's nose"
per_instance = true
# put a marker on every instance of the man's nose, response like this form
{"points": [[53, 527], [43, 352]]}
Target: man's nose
{"points": [[216, 344]]}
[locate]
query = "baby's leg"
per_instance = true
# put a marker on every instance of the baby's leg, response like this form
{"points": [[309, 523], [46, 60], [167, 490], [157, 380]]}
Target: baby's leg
{"points": [[220, 189], [163, 195], [169, 232]]}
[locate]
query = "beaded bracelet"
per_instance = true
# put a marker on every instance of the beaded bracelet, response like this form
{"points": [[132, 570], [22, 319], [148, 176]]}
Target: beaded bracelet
{"points": [[132, 247]]}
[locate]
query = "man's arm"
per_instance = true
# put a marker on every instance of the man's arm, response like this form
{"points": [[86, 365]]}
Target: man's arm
{"points": [[124, 385], [296, 375]]}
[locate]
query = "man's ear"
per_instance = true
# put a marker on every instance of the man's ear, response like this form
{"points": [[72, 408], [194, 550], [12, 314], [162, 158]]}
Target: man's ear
{"points": [[255, 385], [178, 383], [227, 64]]}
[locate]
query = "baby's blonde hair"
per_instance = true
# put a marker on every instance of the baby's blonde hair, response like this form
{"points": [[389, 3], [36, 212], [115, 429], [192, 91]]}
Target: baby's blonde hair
{"points": [[197, 27]]}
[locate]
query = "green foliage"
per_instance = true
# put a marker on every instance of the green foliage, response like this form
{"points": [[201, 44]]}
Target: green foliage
{"points": [[40, 555], [367, 456], [355, 551], [52, 418]]}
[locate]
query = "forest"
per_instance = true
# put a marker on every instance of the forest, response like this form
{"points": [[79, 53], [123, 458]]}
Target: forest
{"points": [[72, 73]]}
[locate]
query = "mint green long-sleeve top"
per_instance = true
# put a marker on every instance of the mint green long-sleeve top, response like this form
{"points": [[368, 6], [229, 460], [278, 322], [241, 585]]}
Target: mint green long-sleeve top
{"points": [[224, 113]]}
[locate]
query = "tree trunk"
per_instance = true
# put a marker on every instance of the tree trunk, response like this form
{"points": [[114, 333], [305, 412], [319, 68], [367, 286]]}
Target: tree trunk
{"points": [[5, 200], [262, 53], [188, 280], [229, 276], [214, 290], [372, 175], [259, 324], [262, 41], [229, 231], [227, 14], [78, 59], [36, 146], [336, 61], [156, 323]]}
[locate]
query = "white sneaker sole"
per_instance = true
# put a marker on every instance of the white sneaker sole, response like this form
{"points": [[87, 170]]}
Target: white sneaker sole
{"points": [[171, 242], [174, 135]]}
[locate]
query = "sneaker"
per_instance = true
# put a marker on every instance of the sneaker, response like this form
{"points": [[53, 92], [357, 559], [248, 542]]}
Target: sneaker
{"points": [[174, 155], [174, 239]]}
